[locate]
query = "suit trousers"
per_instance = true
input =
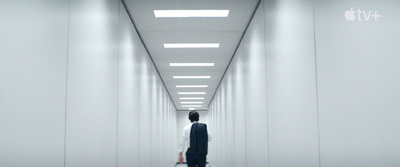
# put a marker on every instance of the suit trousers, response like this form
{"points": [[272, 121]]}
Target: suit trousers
{"points": [[195, 160]]}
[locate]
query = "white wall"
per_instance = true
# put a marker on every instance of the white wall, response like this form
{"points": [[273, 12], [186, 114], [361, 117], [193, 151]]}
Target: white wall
{"points": [[358, 83], [255, 92], [239, 107], [239, 113], [79, 64], [128, 91], [92, 86], [292, 102], [33, 55], [324, 92]]}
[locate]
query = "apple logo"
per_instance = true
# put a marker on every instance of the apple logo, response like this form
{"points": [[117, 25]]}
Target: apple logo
{"points": [[349, 15]]}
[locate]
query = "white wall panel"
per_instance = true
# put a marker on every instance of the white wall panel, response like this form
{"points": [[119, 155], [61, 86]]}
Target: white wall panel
{"points": [[128, 91], [170, 138], [218, 140], [167, 130], [358, 83], [211, 156], [145, 111], [292, 108], [210, 126], [174, 133], [158, 119], [167, 139], [256, 93], [239, 115], [222, 123], [229, 137], [164, 129], [33, 55], [169, 144], [212, 145], [92, 84], [154, 120]]}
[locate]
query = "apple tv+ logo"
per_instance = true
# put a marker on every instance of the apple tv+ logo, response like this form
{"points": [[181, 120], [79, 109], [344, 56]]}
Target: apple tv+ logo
{"points": [[350, 15]]}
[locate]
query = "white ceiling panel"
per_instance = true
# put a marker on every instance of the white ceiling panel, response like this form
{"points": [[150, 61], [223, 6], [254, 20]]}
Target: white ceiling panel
{"points": [[224, 30]]}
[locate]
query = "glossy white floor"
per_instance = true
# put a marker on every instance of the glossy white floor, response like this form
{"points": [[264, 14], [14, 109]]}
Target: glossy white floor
{"points": [[184, 165]]}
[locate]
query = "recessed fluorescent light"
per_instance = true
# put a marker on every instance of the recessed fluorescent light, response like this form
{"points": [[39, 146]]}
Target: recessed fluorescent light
{"points": [[191, 105], [192, 77], [189, 102], [191, 93], [192, 108], [191, 64], [191, 13], [191, 45], [191, 98], [191, 86]]}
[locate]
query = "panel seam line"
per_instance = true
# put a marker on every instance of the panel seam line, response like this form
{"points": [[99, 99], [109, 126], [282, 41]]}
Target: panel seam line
{"points": [[118, 60], [316, 86], [66, 85], [266, 84]]}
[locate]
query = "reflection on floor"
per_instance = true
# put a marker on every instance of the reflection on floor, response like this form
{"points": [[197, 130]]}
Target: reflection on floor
{"points": [[184, 164]]}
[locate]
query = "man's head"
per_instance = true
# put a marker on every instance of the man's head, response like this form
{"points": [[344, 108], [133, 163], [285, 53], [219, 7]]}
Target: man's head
{"points": [[193, 116]]}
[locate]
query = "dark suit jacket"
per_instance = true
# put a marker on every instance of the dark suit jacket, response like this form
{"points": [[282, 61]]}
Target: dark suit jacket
{"points": [[198, 139]]}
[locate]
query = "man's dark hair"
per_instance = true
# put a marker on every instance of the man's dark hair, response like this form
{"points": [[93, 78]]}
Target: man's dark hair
{"points": [[193, 116]]}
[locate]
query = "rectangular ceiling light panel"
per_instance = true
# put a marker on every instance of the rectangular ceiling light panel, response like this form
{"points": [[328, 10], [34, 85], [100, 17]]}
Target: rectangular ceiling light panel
{"points": [[189, 102], [191, 86], [191, 93], [191, 98], [192, 77], [191, 105], [192, 108], [191, 64], [191, 13], [191, 45]]}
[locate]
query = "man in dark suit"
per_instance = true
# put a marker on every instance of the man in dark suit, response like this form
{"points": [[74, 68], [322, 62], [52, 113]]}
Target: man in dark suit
{"points": [[195, 137]]}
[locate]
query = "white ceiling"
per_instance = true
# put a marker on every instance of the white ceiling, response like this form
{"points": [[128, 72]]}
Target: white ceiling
{"points": [[157, 31]]}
